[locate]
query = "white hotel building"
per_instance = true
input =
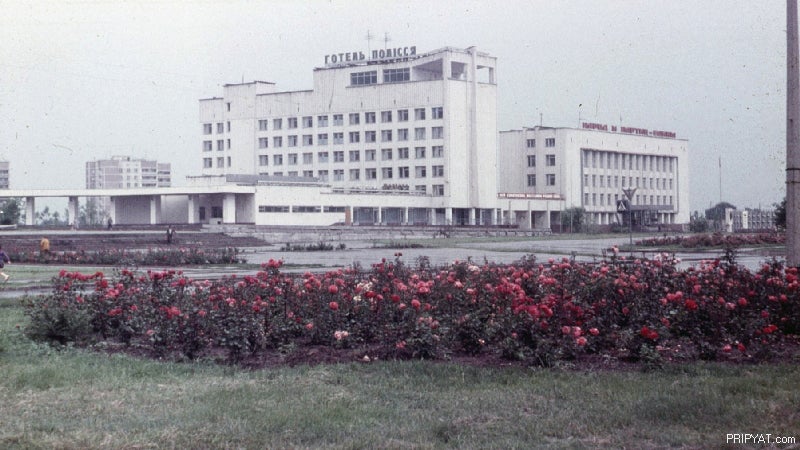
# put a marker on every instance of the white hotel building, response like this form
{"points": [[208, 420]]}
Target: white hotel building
{"points": [[403, 138], [411, 138]]}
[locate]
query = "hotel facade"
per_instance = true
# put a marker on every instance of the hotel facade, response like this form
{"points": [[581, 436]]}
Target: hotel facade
{"points": [[402, 138]]}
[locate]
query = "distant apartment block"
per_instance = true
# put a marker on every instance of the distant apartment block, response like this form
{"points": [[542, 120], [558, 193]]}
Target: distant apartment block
{"points": [[123, 172], [4, 165]]}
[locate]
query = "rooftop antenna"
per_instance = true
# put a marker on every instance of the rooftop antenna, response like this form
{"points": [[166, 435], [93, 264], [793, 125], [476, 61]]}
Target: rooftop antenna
{"points": [[369, 37], [386, 40]]}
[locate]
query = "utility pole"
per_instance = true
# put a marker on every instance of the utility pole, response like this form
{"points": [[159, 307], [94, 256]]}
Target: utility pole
{"points": [[792, 137]]}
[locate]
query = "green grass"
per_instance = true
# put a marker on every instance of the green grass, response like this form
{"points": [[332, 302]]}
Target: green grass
{"points": [[81, 399]]}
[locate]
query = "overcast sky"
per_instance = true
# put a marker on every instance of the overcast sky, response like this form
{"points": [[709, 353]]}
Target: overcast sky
{"points": [[87, 80]]}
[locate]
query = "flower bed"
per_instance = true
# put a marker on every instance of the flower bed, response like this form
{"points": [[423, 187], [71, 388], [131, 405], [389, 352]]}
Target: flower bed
{"points": [[535, 312], [716, 240], [130, 258]]}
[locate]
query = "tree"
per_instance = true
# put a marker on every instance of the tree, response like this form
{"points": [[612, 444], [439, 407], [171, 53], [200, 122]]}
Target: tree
{"points": [[573, 219], [10, 211], [780, 214], [698, 224], [91, 213]]}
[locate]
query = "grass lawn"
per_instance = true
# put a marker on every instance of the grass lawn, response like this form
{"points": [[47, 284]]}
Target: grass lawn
{"points": [[81, 399]]}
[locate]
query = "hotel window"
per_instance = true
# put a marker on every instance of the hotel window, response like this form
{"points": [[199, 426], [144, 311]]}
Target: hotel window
{"points": [[220, 128], [355, 118], [386, 116], [355, 136], [369, 117], [322, 121], [531, 160], [386, 154], [273, 209], [550, 142], [263, 142], [207, 146], [437, 151], [602, 182], [292, 141], [402, 115], [419, 152], [550, 160], [322, 157], [229, 126], [421, 188], [371, 174], [386, 173], [437, 132], [308, 173], [338, 138], [308, 140], [363, 78], [277, 141], [530, 143], [338, 175], [402, 153], [322, 175], [277, 124], [355, 155], [308, 158], [277, 160], [338, 120], [437, 171], [369, 155], [206, 128], [594, 199], [207, 163], [437, 112], [370, 136], [437, 190], [532, 180], [396, 75], [292, 159], [419, 113], [419, 134], [229, 144], [308, 121], [292, 122], [420, 172], [262, 125], [402, 134], [322, 139], [355, 174], [277, 174], [585, 199], [220, 145], [338, 156], [386, 135], [550, 179], [402, 172]]}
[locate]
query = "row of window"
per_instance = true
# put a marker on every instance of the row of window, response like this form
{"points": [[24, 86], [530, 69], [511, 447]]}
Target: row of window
{"points": [[209, 145], [548, 142], [387, 154], [354, 137], [388, 116], [300, 208], [606, 181], [625, 161], [371, 173], [605, 199], [371, 76], [549, 179], [207, 128], [549, 160]]}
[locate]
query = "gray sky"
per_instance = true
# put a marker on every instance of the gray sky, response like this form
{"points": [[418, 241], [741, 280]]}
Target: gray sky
{"points": [[87, 80]]}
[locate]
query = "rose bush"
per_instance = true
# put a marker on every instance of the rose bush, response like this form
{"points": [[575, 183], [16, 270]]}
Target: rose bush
{"points": [[155, 256], [538, 312]]}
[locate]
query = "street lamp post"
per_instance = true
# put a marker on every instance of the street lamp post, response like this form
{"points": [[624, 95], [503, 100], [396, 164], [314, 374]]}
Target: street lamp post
{"points": [[629, 195]]}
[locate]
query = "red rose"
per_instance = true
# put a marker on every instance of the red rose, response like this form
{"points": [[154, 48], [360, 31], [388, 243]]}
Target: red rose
{"points": [[333, 289], [333, 305]]}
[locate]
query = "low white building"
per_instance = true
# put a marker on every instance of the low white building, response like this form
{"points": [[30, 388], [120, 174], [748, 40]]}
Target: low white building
{"points": [[590, 167]]}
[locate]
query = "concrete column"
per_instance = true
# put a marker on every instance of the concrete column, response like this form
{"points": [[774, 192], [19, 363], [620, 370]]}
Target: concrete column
{"points": [[405, 215], [155, 209], [547, 215], [229, 208], [73, 209], [380, 215], [448, 216], [193, 204], [112, 209], [528, 217], [472, 217], [30, 210]]}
